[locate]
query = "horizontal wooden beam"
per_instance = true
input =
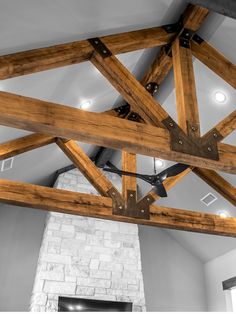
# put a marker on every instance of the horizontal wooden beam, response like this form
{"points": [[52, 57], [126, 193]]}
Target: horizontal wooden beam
{"points": [[187, 220], [24, 144], [214, 60], [218, 183], [33, 196], [100, 129], [37, 60]]}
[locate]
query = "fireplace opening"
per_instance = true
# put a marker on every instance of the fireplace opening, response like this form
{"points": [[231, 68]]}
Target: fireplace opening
{"points": [[66, 304]]}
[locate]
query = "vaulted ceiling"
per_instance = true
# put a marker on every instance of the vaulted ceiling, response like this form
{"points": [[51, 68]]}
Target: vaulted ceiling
{"points": [[32, 24]]}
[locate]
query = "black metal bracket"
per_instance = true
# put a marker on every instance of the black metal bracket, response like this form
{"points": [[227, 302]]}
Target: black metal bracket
{"points": [[185, 37], [205, 147], [199, 40], [100, 47], [123, 111], [133, 208], [152, 87]]}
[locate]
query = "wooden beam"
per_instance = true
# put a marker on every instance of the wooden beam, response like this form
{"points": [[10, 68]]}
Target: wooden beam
{"points": [[33, 196], [186, 97], [218, 183], [94, 175], [128, 183], [193, 18], [214, 60], [42, 59], [24, 144], [193, 221], [226, 126], [100, 129], [132, 91], [28, 195]]}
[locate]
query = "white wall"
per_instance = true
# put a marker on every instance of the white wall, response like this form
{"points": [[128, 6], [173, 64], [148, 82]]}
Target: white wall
{"points": [[21, 231], [216, 271], [173, 277]]}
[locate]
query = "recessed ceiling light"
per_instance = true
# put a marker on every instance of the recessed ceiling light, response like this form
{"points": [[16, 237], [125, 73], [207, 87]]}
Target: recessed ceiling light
{"points": [[84, 105], [223, 214], [159, 163], [220, 97]]}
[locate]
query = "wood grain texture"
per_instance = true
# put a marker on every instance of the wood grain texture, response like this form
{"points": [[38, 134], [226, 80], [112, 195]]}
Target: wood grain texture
{"points": [[103, 130], [215, 61], [194, 16], [28, 195], [24, 144], [193, 221], [132, 91], [226, 126], [33, 196], [94, 175], [42, 59], [159, 69], [128, 164], [186, 97], [218, 183]]}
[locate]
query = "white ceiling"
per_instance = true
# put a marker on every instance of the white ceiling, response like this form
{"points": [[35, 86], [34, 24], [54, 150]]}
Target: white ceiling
{"points": [[28, 24]]}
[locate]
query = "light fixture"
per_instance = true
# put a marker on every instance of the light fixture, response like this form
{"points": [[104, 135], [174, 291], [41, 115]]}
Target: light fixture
{"points": [[84, 105], [79, 307], [159, 163], [223, 214], [220, 97]]}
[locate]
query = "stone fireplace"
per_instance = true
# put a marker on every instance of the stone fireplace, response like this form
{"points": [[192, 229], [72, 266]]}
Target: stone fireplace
{"points": [[87, 257]]}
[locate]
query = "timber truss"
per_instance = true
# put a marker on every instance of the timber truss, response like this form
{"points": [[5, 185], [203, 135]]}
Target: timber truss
{"points": [[140, 127]]}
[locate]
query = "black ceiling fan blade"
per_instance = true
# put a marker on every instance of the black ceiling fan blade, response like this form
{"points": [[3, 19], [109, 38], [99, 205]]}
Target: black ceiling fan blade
{"points": [[172, 171], [121, 172], [160, 190]]}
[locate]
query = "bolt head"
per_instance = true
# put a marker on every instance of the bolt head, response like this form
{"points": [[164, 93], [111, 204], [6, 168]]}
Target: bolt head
{"points": [[120, 207], [131, 195], [171, 124], [113, 193], [142, 210], [215, 135], [104, 51], [180, 142], [209, 149], [148, 199]]}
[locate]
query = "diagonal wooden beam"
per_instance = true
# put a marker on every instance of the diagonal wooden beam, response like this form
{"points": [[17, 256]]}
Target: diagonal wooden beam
{"points": [[132, 91], [186, 97], [224, 127], [192, 19], [94, 175], [218, 183], [33, 196], [24, 144], [214, 60], [100, 129], [42, 59]]}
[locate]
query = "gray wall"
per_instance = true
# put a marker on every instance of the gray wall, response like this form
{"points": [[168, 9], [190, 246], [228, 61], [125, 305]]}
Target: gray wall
{"points": [[173, 277], [216, 271], [21, 231]]}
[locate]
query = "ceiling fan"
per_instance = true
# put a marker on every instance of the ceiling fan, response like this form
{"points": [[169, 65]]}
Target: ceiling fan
{"points": [[155, 180]]}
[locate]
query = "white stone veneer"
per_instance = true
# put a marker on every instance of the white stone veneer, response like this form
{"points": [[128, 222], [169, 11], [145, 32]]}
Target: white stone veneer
{"points": [[87, 257]]}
